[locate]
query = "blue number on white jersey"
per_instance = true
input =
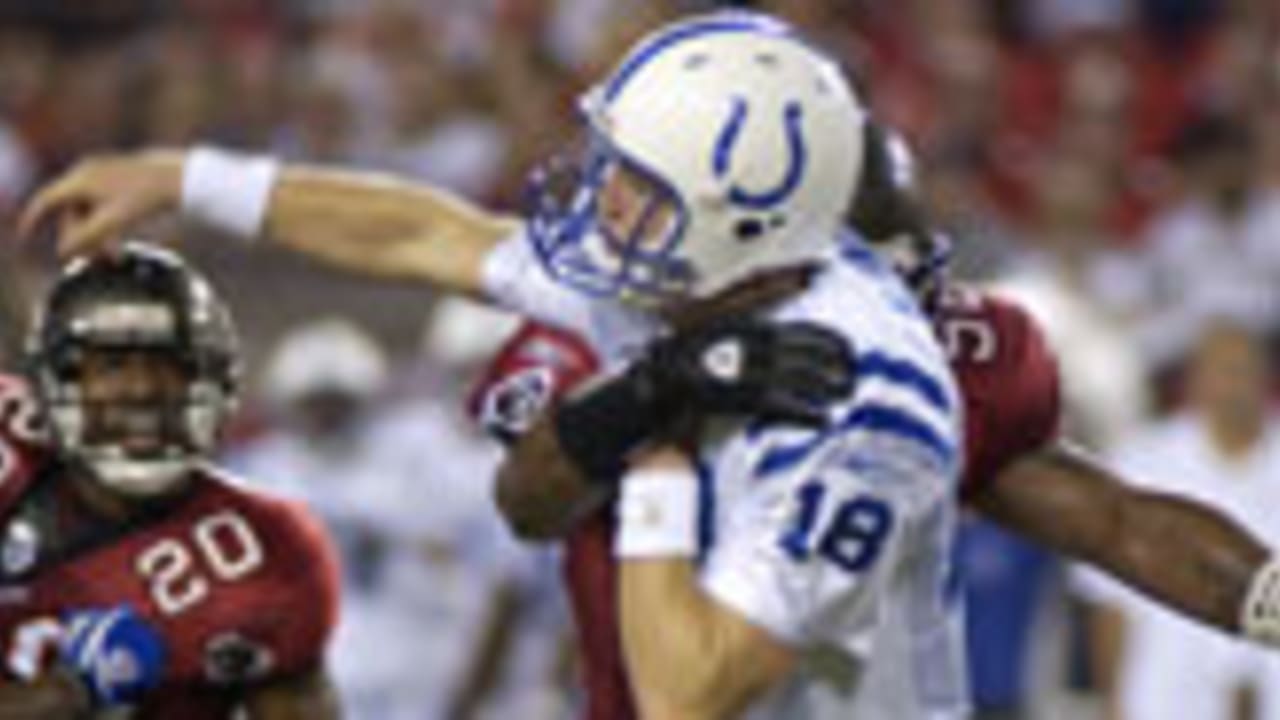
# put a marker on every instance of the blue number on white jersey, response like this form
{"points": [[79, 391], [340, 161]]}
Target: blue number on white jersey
{"points": [[852, 539]]}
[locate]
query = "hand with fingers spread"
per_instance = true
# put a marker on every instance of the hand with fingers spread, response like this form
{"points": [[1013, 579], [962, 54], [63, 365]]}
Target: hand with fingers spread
{"points": [[780, 372], [96, 202]]}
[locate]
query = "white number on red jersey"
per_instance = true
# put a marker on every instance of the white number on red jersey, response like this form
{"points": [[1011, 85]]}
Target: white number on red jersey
{"points": [[226, 544], [19, 414], [19, 421], [971, 340], [965, 334]]}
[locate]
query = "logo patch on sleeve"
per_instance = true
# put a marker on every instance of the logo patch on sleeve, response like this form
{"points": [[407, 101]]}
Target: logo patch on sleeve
{"points": [[232, 659]]}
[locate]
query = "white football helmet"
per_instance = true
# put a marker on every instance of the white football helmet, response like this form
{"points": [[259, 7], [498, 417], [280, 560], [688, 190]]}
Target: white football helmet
{"points": [[326, 355], [738, 146]]}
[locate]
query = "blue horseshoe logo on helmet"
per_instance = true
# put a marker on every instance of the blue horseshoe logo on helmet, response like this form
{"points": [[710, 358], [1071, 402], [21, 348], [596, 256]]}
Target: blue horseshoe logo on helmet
{"points": [[798, 153]]}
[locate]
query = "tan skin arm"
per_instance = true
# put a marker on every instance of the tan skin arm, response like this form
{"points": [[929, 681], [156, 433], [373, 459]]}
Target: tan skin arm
{"points": [[1181, 553], [364, 223], [310, 696], [688, 656]]}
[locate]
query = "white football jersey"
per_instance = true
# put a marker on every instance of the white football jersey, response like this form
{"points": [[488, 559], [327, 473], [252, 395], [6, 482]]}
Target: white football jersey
{"points": [[837, 542]]}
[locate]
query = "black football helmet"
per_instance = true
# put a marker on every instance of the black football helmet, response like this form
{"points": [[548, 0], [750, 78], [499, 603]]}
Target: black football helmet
{"points": [[140, 305], [888, 212]]}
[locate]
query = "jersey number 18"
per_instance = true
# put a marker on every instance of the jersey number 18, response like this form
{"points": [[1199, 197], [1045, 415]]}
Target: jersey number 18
{"points": [[852, 538]]}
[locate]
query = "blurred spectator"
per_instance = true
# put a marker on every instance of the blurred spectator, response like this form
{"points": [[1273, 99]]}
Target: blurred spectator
{"points": [[1065, 284], [1216, 252], [321, 126], [1011, 588], [1224, 451], [1018, 649], [1052, 18], [16, 170], [459, 341], [182, 86], [406, 501], [448, 132]]}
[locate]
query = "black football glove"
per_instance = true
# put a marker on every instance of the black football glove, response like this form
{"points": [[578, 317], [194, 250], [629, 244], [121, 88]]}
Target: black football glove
{"points": [[787, 373], [777, 372]]}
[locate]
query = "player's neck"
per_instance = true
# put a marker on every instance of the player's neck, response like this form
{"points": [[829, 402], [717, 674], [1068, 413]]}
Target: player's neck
{"points": [[97, 500], [103, 504]]}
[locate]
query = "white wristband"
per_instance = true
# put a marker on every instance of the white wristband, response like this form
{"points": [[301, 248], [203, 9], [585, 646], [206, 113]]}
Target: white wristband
{"points": [[657, 515], [1260, 616], [228, 191]]}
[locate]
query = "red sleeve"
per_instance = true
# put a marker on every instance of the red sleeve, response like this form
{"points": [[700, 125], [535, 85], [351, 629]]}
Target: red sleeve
{"points": [[1009, 379], [304, 581], [537, 365]]}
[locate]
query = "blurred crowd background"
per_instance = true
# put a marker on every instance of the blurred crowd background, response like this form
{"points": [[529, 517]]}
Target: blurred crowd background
{"points": [[1114, 164]]}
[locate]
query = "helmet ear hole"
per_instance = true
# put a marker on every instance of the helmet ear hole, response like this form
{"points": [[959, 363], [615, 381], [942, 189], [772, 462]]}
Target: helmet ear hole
{"points": [[749, 229]]}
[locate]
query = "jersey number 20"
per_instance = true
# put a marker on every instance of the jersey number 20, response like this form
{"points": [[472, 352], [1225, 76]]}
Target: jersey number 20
{"points": [[853, 537], [224, 542]]}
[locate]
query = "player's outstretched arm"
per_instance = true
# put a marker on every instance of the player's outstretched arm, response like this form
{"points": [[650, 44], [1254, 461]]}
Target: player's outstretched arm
{"points": [[1181, 553], [310, 696], [361, 222]]}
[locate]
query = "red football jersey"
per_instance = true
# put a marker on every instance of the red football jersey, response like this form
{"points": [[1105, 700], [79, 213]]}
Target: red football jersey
{"points": [[535, 366], [241, 586], [1007, 375]]}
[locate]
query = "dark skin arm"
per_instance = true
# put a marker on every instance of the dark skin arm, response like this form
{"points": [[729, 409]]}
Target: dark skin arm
{"points": [[1181, 553], [539, 490], [310, 696]]}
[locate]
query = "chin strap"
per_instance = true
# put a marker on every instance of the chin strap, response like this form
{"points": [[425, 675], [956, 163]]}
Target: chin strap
{"points": [[1260, 615]]}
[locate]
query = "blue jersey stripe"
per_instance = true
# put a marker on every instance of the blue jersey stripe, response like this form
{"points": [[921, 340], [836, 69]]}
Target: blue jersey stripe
{"points": [[706, 509], [872, 417], [781, 459], [907, 374], [890, 420]]}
